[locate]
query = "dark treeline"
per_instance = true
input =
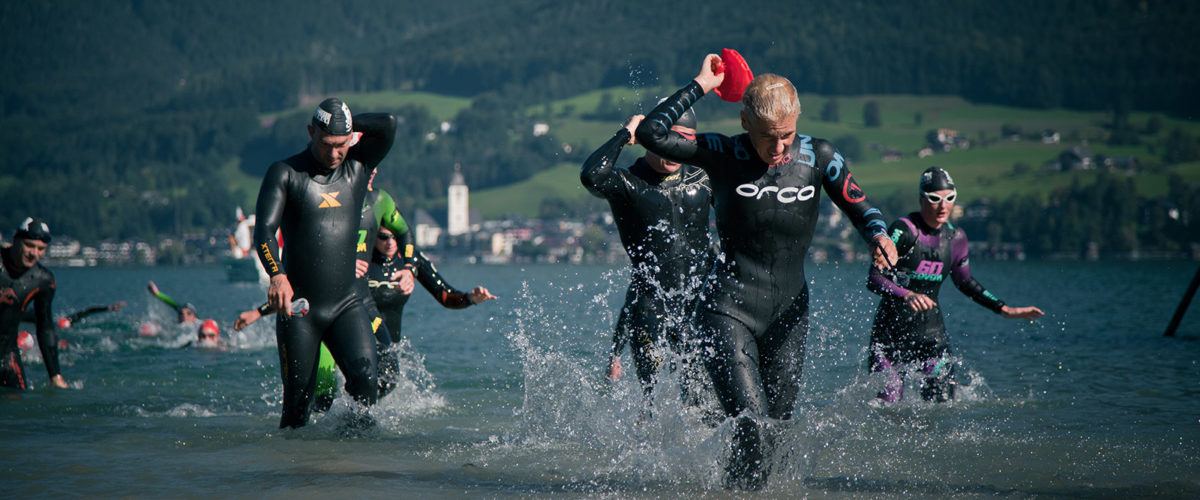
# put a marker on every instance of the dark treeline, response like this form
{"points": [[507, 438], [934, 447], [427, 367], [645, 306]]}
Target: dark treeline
{"points": [[116, 114]]}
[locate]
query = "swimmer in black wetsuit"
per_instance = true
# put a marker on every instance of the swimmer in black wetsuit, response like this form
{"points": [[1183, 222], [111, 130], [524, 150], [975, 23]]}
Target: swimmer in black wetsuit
{"points": [[908, 324], [391, 282], [661, 211], [23, 281], [316, 197], [753, 318]]}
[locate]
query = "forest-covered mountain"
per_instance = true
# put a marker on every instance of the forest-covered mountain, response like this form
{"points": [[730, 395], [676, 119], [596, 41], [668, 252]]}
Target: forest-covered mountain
{"points": [[116, 115]]}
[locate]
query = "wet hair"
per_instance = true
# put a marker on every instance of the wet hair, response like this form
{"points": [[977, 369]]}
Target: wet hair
{"points": [[332, 116], [935, 179], [32, 228], [770, 98]]}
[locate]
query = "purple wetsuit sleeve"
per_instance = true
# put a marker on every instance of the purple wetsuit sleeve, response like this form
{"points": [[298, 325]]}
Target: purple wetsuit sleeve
{"points": [[960, 272]]}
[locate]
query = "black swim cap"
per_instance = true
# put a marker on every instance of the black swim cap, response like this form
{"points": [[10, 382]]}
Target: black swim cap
{"points": [[687, 119], [935, 179], [332, 116], [33, 228]]}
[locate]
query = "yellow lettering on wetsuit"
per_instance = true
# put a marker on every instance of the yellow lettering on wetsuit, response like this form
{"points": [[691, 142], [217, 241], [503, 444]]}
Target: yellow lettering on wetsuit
{"points": [[270, 259]]}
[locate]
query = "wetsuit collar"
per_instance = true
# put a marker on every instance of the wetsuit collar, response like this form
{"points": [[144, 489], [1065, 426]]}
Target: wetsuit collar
{"points": [[643, 169]]}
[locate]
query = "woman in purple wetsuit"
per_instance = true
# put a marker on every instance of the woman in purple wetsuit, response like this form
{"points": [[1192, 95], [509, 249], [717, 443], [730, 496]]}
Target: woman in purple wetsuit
{"points": [[908, 324], [767, 184]]}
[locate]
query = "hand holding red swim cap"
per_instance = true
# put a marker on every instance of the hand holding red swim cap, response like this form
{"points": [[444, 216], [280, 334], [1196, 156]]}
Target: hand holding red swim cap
{"points": [[737, 75]]}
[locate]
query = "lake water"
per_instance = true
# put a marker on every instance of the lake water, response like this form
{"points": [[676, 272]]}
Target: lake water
{"points": [[508, 399]]}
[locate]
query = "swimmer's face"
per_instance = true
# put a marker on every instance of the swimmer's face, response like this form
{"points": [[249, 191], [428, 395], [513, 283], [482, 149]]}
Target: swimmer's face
{"points": [[186, 315], [31, 251], [936, 214], [663, 165], [385, 243], [771, 139], [209, 338], [330, 150]]}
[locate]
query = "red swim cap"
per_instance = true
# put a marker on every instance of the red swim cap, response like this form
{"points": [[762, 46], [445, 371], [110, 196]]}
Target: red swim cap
{"points": [[64, 323], [149, 330], [210, 327], [737, 76], [25, 340]]}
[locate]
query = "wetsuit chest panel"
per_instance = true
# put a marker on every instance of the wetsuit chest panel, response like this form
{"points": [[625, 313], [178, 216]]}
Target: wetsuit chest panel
{"points": [[663, 221], [765, 214], [928, 262], [320, 226], [15, 295]]}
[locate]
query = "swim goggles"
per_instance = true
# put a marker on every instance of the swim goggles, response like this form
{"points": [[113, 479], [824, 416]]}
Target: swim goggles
{"points": [[935, 198]]}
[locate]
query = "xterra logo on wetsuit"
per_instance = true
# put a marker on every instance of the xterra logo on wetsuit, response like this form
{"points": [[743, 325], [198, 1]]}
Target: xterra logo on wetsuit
{"points": [[330, 200]]}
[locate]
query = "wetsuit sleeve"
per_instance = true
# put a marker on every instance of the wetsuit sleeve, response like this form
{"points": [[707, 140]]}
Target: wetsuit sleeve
{"points": [[655, 134], [845, 193], [46, 335], [166, 299], [441, 291], [379, 132], [272, 197], [599, 174], [960, 272], [86, 312], [904, 239]]}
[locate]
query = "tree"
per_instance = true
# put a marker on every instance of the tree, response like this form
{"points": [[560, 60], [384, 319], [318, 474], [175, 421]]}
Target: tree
{"points": [[871, 116], [829, 111]]}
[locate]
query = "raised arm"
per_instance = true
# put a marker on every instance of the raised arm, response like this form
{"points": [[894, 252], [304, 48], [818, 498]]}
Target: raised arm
{"points": [[378, 133], [654, 133], [599, 174]]}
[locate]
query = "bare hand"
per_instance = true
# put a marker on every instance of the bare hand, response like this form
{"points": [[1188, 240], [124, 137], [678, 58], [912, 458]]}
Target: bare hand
{"points": [[360, 268], [919, 302], [117, 306], [58, 382], [632, 126], [152, 288], [480, 294], [1030, 313], [246, 318], [614, 368], [883, 252], [708, 77], [405, 280], [280, 294]]}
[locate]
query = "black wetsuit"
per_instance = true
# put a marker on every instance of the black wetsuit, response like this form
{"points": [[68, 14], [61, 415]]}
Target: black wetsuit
{"points": [[754, 318], [319, 211], [391, 300], [663, 223], [380, 211], [19, 289], [903, 336]]}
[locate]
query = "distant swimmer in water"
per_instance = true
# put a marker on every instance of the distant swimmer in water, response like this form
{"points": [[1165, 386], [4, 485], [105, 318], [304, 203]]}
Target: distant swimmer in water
{"points": [[908, 327], [661, 209], [753, 317], [24, 282], [391, 283], [73, 319], [316, 197]]}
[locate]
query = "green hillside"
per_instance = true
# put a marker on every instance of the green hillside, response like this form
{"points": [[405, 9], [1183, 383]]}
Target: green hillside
{"points": [[986, 169]]}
